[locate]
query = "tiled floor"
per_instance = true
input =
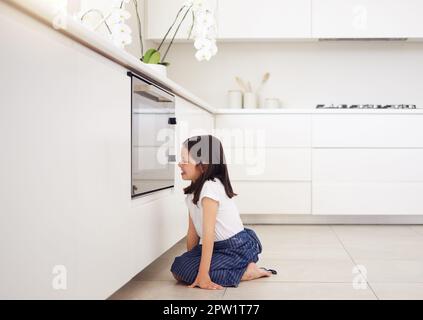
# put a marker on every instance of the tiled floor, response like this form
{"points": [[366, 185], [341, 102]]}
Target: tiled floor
{"points": [[313, 262]]}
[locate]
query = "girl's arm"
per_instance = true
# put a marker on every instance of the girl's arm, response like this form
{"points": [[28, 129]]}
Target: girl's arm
{"points": [[209, 221], [192, 237]]}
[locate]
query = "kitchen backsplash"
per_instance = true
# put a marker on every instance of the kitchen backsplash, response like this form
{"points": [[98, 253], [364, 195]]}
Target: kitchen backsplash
{"points": [[304, 74]]}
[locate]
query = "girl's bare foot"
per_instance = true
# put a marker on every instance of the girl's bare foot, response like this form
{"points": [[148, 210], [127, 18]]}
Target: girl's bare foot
{"points": [[254, 272]]}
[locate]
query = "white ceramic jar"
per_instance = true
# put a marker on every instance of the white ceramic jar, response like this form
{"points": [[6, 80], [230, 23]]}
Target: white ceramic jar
{"points": [[271, 103], [234, 99], [250, 100]]}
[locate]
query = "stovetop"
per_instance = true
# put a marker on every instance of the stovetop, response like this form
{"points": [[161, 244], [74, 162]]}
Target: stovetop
{"points": [[366, 106]]}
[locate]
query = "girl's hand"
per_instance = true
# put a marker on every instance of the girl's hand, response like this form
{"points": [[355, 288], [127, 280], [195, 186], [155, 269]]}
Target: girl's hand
{"points": [[204, 282]]}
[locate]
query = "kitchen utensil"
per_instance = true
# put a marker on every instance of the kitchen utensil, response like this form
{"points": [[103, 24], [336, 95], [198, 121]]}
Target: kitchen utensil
{"points": [[241, 83]]}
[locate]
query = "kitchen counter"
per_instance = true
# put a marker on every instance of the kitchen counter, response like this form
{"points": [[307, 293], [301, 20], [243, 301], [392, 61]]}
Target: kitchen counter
{"points": [[318, 111], [94, 41]]}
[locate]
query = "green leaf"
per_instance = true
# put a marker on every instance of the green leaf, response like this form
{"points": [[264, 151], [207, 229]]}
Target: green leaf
{"points": [[148, 55], [155, 58]]}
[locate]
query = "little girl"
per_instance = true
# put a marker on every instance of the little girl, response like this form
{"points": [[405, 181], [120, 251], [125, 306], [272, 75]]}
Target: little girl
{"points": [[221, 252]]}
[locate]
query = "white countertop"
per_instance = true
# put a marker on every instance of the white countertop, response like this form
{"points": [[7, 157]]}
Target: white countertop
{"points": [[97, 43], [317, 111]]}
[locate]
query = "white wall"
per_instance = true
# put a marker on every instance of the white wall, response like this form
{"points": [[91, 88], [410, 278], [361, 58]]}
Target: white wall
{"points": [[304, 74]]}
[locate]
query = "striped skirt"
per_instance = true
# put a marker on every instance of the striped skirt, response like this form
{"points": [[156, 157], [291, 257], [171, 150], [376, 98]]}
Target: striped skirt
{"points": [[229, 260]]}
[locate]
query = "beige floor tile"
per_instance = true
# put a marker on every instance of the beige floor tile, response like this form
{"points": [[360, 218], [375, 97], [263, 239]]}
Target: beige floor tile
{"points": [[297, 291], [299, 252], [393, 270], [377, 234], [389, 251], [296, 235], [165, 290], [398, 291], [418, 229], [309, 270], [158, 270]]}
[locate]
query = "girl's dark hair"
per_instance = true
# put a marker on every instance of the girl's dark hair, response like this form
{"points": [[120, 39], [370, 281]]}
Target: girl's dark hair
{"points": [[207, 152]]}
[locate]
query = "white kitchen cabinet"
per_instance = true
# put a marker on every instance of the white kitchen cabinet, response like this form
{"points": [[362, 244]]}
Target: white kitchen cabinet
{"points": [[269, 161], [371, 198], [273, 197], [266, 19], [269, 164], [367, 164], [191, 121], [368, 130], [65, 121], [162, 13], [367, 18], [264, 131]]}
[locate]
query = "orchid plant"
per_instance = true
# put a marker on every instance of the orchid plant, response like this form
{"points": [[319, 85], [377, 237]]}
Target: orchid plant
{"points": [[114, 21], [203, 30]]}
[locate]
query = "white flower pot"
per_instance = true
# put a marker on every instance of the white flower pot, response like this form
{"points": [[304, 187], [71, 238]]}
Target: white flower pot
{"points": [[158, 68]]}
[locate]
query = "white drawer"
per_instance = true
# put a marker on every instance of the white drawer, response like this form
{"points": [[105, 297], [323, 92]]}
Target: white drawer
{"points": [[371, 130], [264, 131], [252, 164], [383, 165], [367, 198], [273, 197]]}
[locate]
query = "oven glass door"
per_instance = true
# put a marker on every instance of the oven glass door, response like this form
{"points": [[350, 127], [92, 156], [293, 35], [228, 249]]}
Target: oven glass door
{"points": [[153, 138]]}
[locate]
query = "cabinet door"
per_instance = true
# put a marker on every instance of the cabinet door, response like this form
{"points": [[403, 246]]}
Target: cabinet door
{"points": [[273, 197], [162, 13], [367, 131], [367, 18], [264, 131], [367, 181], [269, 164], [191, 121], [266, 19]]}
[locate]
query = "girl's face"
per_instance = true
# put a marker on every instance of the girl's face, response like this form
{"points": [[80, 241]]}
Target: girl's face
{"points": [[189, 170]]}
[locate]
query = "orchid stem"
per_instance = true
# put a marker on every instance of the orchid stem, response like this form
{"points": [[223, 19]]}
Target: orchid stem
{"points": [[174, 35], [168, 31], [103, 19], [139, 27]]}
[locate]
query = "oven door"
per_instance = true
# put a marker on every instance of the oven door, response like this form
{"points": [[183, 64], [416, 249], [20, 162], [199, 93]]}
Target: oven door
{"points": [[153, 138]]}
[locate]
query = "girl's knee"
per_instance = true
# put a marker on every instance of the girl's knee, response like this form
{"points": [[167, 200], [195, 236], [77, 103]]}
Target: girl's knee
{"points": [[178, 278]]}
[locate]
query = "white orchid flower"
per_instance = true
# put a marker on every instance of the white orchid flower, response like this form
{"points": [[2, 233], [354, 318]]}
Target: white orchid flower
{"points": [[118, 16], [120, 29], [204, 30], [203, 54], [122, 40], [201, 43]]}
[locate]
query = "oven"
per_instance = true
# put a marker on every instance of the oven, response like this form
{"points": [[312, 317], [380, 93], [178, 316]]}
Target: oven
{"points": [[153, 137]]}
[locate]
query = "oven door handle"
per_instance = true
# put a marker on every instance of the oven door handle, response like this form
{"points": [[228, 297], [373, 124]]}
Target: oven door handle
{"points": [[153, 91]]}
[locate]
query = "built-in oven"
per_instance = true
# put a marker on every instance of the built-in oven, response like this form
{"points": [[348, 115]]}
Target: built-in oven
{"points": [[153, 137]]}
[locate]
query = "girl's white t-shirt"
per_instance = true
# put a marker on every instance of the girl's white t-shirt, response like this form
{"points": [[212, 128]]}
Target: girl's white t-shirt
{"points": [[228, 220]]}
